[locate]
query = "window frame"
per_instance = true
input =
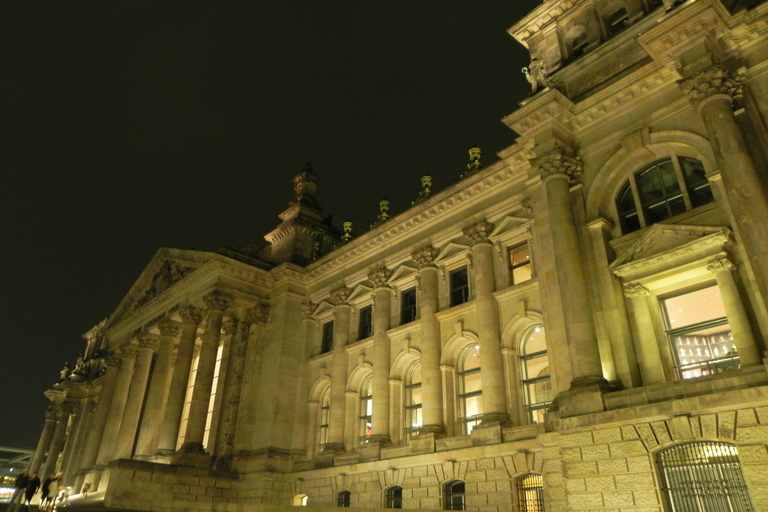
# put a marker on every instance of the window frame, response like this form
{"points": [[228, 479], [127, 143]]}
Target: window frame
{"points": [[366, 402], [325, 416], [527, 263], [393, 497], [524, 501], [528, 382], [409, 312], [462, 291], [451, 492], [410, 407], [461, 374], [365, 323], [326, 338], [344, 499]]}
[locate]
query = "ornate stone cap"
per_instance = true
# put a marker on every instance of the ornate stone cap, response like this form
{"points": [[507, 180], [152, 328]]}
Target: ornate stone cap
{"points": [[169, 327], [636, 290], [425, 257], [305, 186], [308, 308], [129, 351], [380, 277], [112, 360], [710, 82], [479, 232], [149, 341], [191, 315], [340, 295], [721, 264], [559, 161], [218, 300]]}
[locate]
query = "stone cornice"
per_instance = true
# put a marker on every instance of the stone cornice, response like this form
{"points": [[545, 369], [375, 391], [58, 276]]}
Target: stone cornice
{"points": [[542, 16]]}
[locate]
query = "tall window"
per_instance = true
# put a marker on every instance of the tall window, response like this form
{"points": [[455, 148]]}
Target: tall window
{"points": [[343, 499], [188, 399], [579, 45], [413, 398], [408, 306], [703, 476], [699, 333], [325, 416], [454, 496], [366, 322], [459, 286], [470, 388], [618, 21], [212, 400], [530, 493], [662, 190], [537, 384], [520, 268], [327, 343], [366, 407], [394, 497]]}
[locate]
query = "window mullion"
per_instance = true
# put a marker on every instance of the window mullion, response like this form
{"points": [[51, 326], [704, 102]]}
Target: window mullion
{"points": [[638, 204], [681, 180]]}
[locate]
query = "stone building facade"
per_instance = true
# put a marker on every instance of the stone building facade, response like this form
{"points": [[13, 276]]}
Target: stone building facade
{"points": [[580, 325]]}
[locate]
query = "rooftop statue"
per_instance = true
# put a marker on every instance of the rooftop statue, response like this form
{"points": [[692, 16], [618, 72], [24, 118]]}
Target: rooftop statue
{"points": [[535, 73]]}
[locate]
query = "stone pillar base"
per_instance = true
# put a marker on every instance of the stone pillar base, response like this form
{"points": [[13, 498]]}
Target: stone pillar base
{"points": [[495, 418], [581, 400], [324, 460], [488, 432], [334, 448], [437, 430], [379, 440], [191, 459], [424, 442], [369, 452]]}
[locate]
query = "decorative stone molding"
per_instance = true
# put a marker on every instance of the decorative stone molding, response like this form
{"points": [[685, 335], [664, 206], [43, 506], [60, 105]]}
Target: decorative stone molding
{"points": [[218, 300], [112, 360], [191, 315], [52, 415], [260, 313], [169, 327], [710, 82], [307, 308], [636, 290], [70, 408], [478, 233], [340, 295], [559, 161], [380, 277], [149, 341], [720, 265], [129, 351], [229, 325], [425, 257]]}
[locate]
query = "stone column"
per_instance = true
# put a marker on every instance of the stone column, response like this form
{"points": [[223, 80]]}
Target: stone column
{"points": [[712, 91], [51, 416], [57, 442], [126, 437], [72, 452], [743, 337], [382, 314], [341, 319], [216, 302], [431, 386], [558, 169], [158, 387], [491, 369], [648, 356], [96, 432], [174, 407], [117, 406]]}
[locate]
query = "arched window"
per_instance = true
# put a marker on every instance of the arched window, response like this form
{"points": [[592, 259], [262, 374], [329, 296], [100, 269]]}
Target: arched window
{"points": [[530, 493], [413, 397], [662, 190], [366, 408], [325, 416], [618, 21], [300, 500], [453, 496], [470, 388], [537, 383], [579, 45], [343, 499], [702, 476], [394, 497]]}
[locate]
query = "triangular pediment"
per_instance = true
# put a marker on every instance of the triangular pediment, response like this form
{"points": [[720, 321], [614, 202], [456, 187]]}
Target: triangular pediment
{"points": [[508, 223], [360, 290], [324, 307], [661, 239], [167, 268], [402, 272], [450, 250]]}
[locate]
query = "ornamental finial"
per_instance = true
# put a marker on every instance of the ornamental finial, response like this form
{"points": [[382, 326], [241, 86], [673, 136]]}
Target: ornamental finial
{"points": [[383, 211], [347, 236], [474, 160], [305, 186], [426, 186]]}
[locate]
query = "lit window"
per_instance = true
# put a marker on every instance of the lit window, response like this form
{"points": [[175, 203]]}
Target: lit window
{"points": [[520, 268], [327, 342], [413, 398], [394, 497], [366, 407], [704, 476], [408, 309], [212, 400], [366, 322], [325, 416], [459, 286], [188, 399], [699, 333], [470, 388], [664, 189], [300, 500], [343, 499], [454, 496], [537, 384], [530, 493]]}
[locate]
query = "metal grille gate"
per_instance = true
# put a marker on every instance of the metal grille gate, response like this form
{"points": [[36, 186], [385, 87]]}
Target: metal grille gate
{"points": [[704, 477], [530, 493]]}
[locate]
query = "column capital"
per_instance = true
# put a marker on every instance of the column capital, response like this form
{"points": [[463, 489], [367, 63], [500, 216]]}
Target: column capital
{"points": [[112, 360], [340, 295], [129, 351], [229, 325], [559, 161], [218, 300], [636, 290], [191, 315], [70, 408], [52, 415], [712, 81], [260, 313], [479, 232], [425, 257], [308, 308], [147, 340], [380, 277], [169, 327], [721, 264]]}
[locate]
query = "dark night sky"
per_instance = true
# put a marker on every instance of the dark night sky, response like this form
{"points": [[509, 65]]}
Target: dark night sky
{"points": [[126, 126]]}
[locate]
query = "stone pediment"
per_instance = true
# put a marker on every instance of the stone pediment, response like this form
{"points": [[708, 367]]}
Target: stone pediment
{"points": [[665, 240], [508, 223], [451, 250], [167, 267], [359, 291], [324, 307], [402, 272]]}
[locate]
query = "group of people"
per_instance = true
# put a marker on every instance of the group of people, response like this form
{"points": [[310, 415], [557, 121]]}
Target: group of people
{"points": [[27, 486]]}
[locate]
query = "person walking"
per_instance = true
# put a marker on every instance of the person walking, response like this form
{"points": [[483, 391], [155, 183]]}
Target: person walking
{"points": [[48, 492], [21, 485], [33, 484]]}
